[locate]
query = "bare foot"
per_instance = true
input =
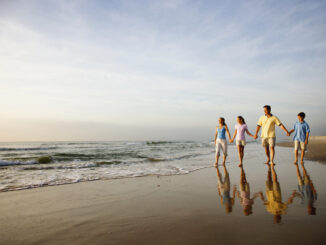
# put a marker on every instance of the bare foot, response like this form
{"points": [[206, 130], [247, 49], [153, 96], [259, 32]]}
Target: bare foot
{"points": [[302, 163], [224, 163], [215, 165], [273, 163], [295, 162], [267, 162], [240, 165]]}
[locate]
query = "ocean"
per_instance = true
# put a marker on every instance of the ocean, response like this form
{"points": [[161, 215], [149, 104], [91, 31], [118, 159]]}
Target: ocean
{"points": [[37, 164]]}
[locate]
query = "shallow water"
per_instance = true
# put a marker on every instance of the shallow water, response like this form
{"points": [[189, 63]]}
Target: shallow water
{"points": [[27, 165]]}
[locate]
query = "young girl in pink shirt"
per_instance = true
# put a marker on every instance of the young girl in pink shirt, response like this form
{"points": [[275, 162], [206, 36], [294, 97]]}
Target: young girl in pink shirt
{"points": [[240, 130]]}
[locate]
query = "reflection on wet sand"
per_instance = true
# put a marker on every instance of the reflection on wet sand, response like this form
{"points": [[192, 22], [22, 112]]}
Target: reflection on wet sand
{"points": [[272, 200], [306, 189], [224, 187], [274, 203], [244, 194]]}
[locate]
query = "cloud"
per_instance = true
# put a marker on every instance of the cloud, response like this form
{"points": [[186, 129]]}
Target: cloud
{"points": [[168, 63]]}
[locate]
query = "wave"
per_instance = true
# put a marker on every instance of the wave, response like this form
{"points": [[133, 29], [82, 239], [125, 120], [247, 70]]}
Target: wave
{"points": [[47, 167], [10, 163], [159, 142], [80, 177], [26, 148]]}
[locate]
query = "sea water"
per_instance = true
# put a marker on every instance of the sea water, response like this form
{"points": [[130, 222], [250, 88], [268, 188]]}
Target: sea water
{"points": [[36, 164]]}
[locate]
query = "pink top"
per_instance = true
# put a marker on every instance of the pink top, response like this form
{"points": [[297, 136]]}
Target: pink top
{"points": [[245, 199], [241, 130]]}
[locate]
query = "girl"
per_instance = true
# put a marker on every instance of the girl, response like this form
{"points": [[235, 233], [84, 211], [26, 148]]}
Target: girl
{"points": [[224, 188], [240, 130], [244, 194], [220, 140]]}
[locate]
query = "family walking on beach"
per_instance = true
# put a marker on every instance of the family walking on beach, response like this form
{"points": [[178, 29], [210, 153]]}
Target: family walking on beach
{"points": [[267, 122]]}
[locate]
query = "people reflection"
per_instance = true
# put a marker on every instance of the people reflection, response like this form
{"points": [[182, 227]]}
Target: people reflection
{"points": [[244, 194], [274, 203], [223, 187], [307, 189]]}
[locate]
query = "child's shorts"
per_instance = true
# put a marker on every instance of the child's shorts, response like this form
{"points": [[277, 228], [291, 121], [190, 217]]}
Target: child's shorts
{"points": [[268, 141], [302, 145], [241, 142], [221, 144]]}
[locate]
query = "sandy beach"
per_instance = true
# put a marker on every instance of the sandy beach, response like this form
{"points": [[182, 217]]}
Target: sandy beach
{"points": [[183, 209], [316, 148]]}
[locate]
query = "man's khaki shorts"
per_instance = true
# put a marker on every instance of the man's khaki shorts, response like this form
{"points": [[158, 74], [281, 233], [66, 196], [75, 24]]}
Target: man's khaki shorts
{"points": [[268, 141], [302, 145]]}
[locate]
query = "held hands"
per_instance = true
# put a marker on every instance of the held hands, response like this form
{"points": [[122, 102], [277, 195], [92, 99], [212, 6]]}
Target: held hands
{"points": [[255, 136]]}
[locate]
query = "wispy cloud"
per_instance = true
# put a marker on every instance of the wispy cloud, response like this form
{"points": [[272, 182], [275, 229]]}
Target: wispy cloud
{"points": [[165, 63]]}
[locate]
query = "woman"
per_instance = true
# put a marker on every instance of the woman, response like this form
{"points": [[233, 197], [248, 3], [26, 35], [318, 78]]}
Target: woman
{"points": [[220, 140]]}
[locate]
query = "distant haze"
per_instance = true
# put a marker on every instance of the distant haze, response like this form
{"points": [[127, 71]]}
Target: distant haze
{"points": [[157, 70]]}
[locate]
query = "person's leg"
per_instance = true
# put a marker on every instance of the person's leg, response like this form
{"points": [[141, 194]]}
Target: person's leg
{"points": [[239, 152], [267, 153], [216, 159], [225, 151], [242, 153], [296, 149], [272, 142], [274, 175], [302, 145], [295, 156], [272, 154], [218, 149], [224, 159], [240, 148], [225, 171]]}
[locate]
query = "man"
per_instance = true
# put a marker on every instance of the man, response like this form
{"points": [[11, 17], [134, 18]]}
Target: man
{"points": [[274, 203], [267, 123]]}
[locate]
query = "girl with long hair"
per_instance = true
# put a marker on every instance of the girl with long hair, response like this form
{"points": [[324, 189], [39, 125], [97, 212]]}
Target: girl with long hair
{"points": [[220, 140], [240, 130]]}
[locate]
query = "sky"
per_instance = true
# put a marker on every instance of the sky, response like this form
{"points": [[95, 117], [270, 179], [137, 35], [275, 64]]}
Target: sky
{"points": [[157, 70]]}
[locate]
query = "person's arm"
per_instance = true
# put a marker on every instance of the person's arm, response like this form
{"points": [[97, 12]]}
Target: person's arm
{"points": [[291, 131], [215, 136], [257, 130], [227, 130], [294, 194], [251, 135], [307, 137], [235, 133], [307, 134], [282, 127], [259, 194], [278, 123]]}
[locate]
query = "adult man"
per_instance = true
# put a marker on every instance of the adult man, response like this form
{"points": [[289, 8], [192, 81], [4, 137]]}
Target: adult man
{"points": [[267, 123]]}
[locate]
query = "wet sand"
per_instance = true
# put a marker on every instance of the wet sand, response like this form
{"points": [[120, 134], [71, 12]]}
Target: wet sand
{"points": [[316, 148], [197, 208]]}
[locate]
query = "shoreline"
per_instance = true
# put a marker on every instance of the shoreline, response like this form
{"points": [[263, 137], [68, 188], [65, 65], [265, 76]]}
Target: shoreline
{"points": [[316, 149], [174, 209]]}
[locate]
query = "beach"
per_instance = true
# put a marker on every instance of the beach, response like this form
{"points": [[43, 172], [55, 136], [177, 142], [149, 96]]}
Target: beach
{"points": [[316, 148], [176, 209]]}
